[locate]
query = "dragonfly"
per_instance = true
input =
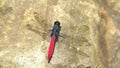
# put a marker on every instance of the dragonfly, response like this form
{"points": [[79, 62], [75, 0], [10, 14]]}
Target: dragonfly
{"points": [[54, 34], [54, 38]]}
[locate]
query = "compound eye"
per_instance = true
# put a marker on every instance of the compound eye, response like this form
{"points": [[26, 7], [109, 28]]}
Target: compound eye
{"points": [[57, 22]]}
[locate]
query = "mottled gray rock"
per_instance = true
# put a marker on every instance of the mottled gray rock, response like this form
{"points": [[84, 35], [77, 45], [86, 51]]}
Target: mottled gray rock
{"points": [[90, 33]]}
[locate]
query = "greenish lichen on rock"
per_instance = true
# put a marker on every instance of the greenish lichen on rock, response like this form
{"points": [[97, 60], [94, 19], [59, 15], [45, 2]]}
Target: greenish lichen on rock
{"points": [[4, 10]]}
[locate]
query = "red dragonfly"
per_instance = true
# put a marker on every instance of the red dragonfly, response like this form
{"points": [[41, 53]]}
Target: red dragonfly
{"points": [[54, 38], [43, 31]]}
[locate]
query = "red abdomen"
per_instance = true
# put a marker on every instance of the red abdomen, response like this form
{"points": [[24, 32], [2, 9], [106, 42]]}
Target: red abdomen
{"points": [[51, 47]]}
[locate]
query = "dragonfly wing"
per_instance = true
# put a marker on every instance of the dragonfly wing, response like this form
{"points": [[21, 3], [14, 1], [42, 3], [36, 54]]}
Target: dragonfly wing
{"points": [[43, 33], [41, 21], [74, 44]]}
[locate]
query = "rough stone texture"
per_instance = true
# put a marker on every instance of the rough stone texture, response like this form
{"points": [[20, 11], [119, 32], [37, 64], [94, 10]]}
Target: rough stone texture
{"points": [[90, 33]]}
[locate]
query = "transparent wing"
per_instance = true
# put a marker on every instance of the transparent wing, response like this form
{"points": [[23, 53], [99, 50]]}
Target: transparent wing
{"points": [[40, 26], [75, 39]]}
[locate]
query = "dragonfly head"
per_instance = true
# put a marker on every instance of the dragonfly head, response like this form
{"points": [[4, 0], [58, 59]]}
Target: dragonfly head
{"points": [[57, 23]]}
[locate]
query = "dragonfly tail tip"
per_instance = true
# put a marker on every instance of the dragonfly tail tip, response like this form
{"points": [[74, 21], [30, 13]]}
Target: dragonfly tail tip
{"points": [[48, 61]]}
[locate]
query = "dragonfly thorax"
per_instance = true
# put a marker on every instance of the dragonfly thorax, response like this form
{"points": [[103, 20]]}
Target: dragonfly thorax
{"points": [[56, 29]]}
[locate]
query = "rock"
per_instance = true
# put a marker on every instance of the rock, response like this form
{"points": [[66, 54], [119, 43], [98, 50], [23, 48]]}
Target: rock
{"points": [[89, 37]]}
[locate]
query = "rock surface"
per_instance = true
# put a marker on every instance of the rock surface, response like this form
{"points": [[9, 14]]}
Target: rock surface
{"points": [[90, 33]]}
